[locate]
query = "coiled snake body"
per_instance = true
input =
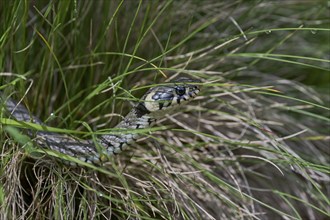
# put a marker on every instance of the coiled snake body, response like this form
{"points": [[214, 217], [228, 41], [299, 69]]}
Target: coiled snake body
{"points": [[153, 105]]}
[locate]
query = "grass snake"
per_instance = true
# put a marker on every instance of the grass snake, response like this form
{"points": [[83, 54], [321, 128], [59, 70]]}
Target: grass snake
{"points": [[154, 104]]}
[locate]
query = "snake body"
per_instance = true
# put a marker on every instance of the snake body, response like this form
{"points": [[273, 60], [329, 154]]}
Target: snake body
{"points": [[154, 104]]}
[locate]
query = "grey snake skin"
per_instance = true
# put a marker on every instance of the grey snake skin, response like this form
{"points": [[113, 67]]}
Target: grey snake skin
{"points": [[153, 105]]}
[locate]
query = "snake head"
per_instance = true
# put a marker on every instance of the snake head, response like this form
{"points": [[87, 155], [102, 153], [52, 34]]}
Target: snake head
{"points": [[165, 97]]}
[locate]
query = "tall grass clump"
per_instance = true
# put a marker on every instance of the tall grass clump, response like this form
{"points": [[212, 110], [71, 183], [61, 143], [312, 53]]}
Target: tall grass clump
{"points": [[253, 145]]}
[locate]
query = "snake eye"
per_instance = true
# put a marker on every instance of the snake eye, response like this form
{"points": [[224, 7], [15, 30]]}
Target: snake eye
{"points": [[180, 90]]}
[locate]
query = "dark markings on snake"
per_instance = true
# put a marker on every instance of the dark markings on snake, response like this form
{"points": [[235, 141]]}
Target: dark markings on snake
{"points": [[141, 110]]}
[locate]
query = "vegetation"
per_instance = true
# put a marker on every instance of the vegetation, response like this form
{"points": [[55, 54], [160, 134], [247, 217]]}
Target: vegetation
{"points": [[253, 145]]}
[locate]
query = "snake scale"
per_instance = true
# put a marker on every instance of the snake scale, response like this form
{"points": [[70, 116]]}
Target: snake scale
{"points": [[154, 104]]}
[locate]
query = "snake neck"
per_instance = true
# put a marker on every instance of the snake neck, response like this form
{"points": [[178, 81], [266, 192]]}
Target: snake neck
{"points": [[127, 132]]}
